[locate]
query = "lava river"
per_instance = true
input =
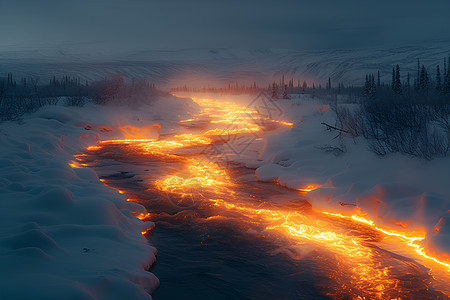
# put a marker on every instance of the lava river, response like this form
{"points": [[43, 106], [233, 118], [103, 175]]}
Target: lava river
{"points": [[222, 234]]}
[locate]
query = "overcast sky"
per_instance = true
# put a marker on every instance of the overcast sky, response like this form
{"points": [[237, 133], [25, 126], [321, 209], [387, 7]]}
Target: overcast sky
{"points": [[165, 24]]}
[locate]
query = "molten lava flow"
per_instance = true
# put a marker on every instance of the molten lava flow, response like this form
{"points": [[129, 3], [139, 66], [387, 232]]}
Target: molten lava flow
{"points": [[412, 241], [189, 139], [309, 188], [201, 175], [218, 193], [298, 228], [236, 119], [143, 216], [93, 147], [75, 164], [290, 124]]}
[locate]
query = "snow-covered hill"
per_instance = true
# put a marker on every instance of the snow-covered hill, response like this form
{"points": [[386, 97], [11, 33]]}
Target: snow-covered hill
{"points": [[221, 66]]}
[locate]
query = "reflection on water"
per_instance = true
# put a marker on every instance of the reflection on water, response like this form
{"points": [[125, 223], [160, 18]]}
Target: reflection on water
{"points": [[221, 234], [246, 239]]}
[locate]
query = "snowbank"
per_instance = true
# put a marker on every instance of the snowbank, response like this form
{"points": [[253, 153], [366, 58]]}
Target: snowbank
{"points": [[404, 193], [63, 234]]}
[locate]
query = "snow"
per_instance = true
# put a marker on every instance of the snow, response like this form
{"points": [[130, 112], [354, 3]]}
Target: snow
{"points": [[63, 233], [398, 192]]}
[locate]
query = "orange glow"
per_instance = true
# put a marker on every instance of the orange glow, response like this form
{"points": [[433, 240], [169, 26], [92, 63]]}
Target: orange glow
{"points": [[191, 139], [232, 131], [236, 118], [416, 235], [187, 120], [213, 183], [134, 132], [356, 256], [126, 141], [402, 224], [309, 188], [75, 164], [298, 227], [290, 124], [200, 174], [143, 216], [412, 241], [93, 148]]}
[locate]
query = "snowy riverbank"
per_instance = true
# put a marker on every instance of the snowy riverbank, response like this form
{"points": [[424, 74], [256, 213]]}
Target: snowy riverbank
{"points": [[399, 192], [63, 233]]}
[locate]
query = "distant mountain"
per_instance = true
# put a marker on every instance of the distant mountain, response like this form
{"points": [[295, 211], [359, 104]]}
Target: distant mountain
{"points": [[221, 66]]}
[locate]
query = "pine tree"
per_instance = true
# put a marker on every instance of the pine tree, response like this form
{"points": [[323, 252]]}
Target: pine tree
{"points": [[438, 79], [393, 79], [274, 91], [408, 83], [423, 85], [418, 74], [369, 87], [426, 79], [398, 83], [366, 86], [285, 93], [372, 87], [378, 79], [10, 80]]}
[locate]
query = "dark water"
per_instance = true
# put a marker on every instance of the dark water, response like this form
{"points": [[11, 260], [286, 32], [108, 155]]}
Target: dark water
{"points": [[204, 253]]}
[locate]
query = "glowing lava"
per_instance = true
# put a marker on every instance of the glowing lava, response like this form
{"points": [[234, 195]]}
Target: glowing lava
{"points": [[309, 188], [209, 179], [412, 241]]}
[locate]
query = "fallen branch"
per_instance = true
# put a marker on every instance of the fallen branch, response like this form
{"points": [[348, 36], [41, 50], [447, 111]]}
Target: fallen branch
{"points": [[329, 127]]}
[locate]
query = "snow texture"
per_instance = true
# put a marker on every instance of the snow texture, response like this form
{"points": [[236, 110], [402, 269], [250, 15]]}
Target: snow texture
{"points": [[63, 233], [398, 191]]}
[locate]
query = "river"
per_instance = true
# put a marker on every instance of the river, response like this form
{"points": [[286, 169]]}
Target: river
{"points": [[221, 234]]}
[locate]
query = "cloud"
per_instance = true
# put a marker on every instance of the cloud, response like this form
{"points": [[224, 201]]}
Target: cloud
{"points": [[200, 23]]}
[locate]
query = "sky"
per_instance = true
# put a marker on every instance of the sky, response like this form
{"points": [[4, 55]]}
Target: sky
{"points": [[181, 24]]}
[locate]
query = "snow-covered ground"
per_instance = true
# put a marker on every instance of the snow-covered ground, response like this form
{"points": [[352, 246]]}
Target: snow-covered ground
{"points": [[63, 233], [398, 192]]}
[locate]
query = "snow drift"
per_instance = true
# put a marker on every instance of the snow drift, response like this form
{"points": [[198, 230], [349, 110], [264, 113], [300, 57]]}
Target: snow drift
{"points": [[400, 192], [63, 233]]}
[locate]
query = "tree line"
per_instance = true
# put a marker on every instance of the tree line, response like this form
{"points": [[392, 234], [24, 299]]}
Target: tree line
{"points": [[27, 94], [409, 115]]}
